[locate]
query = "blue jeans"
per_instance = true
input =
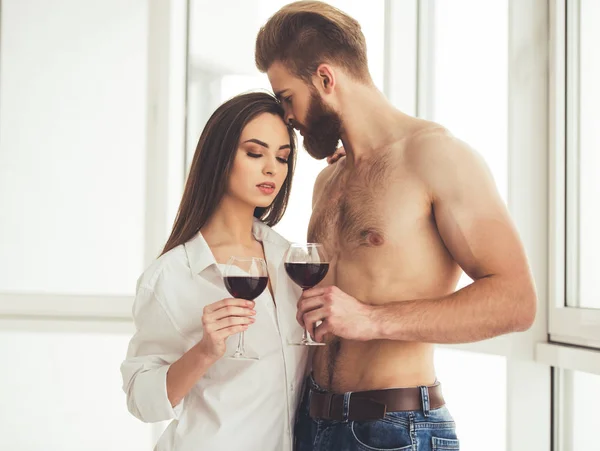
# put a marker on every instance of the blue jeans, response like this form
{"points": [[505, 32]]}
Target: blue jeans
{"points": [[421, 430]]}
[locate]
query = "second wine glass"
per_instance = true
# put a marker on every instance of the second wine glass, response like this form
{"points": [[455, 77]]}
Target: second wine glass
{"points": [[245, 278], [306, 264]]}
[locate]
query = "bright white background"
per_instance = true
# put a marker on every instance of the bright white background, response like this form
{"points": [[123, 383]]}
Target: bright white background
{"points": [[99, 119]]}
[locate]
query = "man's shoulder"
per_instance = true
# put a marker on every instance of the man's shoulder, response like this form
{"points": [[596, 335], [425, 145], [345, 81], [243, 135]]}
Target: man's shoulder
{"points": [[424, 137], [431, 148], [327, 173]]}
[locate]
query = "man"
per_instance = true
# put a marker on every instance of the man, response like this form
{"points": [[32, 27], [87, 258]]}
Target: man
{"points": [[400, 215]]}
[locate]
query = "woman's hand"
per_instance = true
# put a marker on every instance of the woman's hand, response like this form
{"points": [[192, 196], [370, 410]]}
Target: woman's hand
{"points": [[221, 320], [339, 153]]}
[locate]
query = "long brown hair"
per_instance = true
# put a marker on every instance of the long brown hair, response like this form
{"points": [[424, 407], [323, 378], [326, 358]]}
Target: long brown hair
{"points": [[213, 159]]}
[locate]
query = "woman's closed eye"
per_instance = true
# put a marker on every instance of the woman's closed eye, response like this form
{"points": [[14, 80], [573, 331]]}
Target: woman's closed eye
{"points": [[259, 155]]}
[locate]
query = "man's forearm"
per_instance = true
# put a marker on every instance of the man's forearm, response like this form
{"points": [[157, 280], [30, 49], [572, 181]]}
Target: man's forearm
{"points": [[488, 307]]}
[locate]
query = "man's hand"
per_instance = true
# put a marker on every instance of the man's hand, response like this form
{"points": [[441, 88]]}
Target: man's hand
{"points": [[341, 314], [339, 153]]}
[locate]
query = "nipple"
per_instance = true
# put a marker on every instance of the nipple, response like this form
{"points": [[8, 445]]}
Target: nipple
{"points": [[372, 237]]}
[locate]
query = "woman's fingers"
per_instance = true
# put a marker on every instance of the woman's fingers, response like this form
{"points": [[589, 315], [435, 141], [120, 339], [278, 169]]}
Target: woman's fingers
{"points": [[226, 308], [232, 321], [231, 310], [229, 331], [230, 302]]}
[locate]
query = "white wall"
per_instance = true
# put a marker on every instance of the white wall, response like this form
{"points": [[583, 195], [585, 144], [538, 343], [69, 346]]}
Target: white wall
{"points": [[72, 145], [73, 114]]}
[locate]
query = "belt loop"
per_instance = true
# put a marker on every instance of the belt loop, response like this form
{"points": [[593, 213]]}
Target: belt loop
{"points": [[425, 400], [346, 407]]}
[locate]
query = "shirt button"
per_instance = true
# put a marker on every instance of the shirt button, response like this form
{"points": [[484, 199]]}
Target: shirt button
{"points": [[291, 387]]}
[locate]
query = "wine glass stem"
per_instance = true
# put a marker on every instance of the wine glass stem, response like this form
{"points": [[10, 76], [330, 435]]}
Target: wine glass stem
{"points": [[240, 351], [306, 337]]}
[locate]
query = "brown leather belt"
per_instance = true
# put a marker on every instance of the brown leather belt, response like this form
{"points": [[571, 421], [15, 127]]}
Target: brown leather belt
{"points": [[373, 404]]}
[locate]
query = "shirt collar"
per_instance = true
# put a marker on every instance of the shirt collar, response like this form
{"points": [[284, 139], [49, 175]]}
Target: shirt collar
{"points": [[201, 257]]}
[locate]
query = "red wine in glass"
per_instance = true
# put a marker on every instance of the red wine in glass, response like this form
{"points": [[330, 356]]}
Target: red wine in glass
{"points": [[245, 278], [245, 287], [307, 265], [307, 275]]}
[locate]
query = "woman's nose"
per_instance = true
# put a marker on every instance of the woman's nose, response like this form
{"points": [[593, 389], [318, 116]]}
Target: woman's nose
{"points": [[269, 168]]}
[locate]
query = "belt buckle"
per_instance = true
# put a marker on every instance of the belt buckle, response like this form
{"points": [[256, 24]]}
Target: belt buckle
{"points": [[323, 412]]}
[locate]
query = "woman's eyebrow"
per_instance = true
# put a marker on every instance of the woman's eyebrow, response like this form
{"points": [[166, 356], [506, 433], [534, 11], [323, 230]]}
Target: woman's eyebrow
{"points": [[264, 144]]}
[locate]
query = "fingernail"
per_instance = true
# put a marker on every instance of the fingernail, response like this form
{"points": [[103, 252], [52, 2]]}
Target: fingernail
{"points": [[253, 312]]}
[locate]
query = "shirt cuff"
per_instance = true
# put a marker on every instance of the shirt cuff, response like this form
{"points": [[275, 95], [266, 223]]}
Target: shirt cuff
{"points": [[151, 396]]}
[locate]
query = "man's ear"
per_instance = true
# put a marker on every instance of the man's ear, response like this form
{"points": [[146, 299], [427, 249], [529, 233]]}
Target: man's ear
{"points": [[325, 79]]}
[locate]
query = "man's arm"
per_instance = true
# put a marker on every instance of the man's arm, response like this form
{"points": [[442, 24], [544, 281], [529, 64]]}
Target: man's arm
{"points": [[475, 226]]}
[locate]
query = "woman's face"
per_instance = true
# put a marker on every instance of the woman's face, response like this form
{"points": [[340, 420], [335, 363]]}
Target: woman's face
{"points": [[260, 166]]}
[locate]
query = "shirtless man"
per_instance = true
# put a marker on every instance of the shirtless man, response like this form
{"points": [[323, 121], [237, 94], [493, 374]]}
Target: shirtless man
{"points": [[400, 215]]}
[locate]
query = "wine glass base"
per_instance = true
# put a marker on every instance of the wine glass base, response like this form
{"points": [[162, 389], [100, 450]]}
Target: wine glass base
{"points": [[307, 343], [238, 356], [233, 357]]}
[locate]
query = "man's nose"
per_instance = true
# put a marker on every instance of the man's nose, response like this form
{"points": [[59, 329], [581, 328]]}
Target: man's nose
{"points": [[289, 119]]}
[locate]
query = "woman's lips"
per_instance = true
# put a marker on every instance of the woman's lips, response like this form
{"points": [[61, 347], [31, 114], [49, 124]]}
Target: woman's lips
{"points": [[266, 188]]}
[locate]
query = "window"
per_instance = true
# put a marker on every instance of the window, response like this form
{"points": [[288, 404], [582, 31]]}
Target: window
{"points": [[72, 147], [575, 308], [62, 391], [469, 89], [583, 158], [578, 397], [467, 378], [73, 123]]}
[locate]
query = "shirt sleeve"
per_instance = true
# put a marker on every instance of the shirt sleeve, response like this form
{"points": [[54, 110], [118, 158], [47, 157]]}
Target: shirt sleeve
{"points": [[156, 344]]}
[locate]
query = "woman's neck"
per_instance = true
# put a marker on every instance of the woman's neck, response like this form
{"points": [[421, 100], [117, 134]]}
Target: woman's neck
{"points": [[230, 224]]}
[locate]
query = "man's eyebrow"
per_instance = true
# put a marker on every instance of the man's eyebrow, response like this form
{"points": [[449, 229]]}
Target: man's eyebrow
{"points": [[264, 144], [278, 94]]}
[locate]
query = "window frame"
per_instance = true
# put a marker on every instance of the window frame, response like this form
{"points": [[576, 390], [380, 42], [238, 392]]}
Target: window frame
{"points": [[567, 324]]}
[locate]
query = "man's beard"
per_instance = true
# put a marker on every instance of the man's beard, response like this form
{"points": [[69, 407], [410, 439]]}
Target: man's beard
{"points": [[323, 129]]}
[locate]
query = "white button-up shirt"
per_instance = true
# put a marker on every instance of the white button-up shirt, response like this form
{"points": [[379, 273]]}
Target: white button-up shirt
{"points": [[237, 404]]}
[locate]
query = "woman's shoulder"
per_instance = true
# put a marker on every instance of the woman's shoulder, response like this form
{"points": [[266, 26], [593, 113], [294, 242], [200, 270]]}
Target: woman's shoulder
{"points": [[166, 266]]}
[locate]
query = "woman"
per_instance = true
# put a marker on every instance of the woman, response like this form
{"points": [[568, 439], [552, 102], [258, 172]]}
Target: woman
{"points": [[186, 322]]}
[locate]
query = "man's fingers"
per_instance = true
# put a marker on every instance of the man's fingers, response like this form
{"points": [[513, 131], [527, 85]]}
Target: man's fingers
{"points": [[316, 291], [305, 306], [321, 330], [311, 318]]}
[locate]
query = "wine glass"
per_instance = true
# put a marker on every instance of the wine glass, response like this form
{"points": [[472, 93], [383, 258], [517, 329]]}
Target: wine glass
{"points": [[306, 264], [245, 278]]}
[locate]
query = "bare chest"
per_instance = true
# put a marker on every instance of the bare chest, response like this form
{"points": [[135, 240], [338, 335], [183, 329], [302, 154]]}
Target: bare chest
{"points": [[367, 207]]}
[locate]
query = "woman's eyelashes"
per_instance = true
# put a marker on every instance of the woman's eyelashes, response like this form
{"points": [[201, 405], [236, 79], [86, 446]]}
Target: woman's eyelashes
{"points": [[259, 155]]}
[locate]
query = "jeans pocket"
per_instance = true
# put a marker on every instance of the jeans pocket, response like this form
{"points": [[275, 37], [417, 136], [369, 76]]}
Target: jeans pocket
{"points": [[381, 436], [444, 444]]}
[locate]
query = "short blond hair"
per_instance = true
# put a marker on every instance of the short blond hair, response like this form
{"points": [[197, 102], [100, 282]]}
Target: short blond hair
{"points": [[305, 34]]}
